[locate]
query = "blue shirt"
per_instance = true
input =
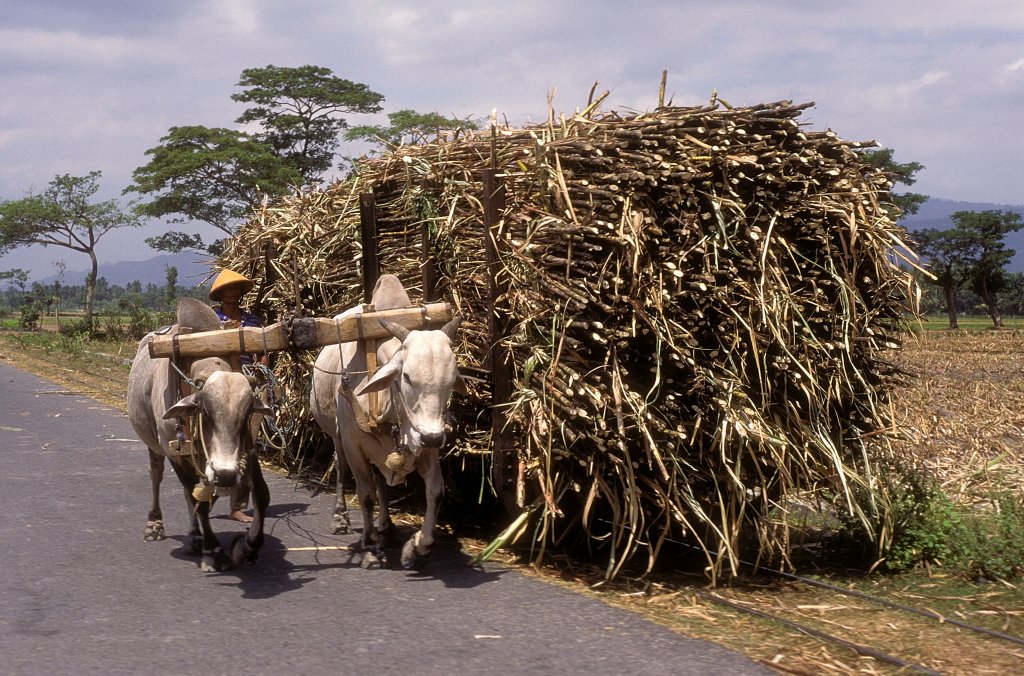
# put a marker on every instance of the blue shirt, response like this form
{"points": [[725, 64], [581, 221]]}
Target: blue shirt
{"points": [[248, 319]]}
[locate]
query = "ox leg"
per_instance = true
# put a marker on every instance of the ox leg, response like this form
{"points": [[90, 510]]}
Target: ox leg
{"points": [[201, 538], [385, 526], [187, 476], [373, 553], [340, 522], [155, 519], [417, 548], [213, 556], [246, 546]]}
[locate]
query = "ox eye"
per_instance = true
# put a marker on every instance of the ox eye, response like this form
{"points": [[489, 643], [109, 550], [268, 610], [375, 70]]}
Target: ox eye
{"points": [[406, 379]]}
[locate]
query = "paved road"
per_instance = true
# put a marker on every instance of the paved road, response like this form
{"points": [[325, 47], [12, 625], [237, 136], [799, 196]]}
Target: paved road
{"points": [[81, 593]]}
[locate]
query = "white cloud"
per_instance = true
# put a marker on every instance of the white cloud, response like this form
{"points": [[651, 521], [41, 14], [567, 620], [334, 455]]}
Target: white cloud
{"points": [[93, 86], [241, 18], [53, 48]]}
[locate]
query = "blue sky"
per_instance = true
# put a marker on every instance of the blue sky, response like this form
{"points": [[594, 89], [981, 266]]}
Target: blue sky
{"points": [[93, 85]]}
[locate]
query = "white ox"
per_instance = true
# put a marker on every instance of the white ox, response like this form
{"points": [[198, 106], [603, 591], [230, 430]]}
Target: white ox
{"points": [[417, 375], [222, 451]]}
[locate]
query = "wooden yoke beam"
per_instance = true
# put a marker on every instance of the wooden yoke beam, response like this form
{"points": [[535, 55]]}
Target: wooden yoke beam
{"points": [[305, 333]]}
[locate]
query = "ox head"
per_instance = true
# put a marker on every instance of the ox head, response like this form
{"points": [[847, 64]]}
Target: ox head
{"points": [[424, 372], [227, 403]]}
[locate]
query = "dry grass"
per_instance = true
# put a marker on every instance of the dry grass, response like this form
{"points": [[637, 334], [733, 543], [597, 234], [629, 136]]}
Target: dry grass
{"points": [[963, 415]]}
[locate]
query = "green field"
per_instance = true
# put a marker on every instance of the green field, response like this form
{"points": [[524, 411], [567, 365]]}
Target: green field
{"points": [[941, 323]]}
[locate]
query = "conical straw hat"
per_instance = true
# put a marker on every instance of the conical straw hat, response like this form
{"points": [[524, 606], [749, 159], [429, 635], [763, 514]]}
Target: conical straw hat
{"points": [[228, 278]]}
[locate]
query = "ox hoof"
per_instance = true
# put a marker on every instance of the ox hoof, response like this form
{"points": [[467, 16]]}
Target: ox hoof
{"points": [[341, 524], [154, 531], [215, 562], [411, 558], [241, 552], [372, 560]]}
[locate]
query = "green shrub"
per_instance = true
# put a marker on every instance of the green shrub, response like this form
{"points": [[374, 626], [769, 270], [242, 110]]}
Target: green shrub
{"points": [[974, 542], [74, 329], [71, 343], [926, 528], [140, 321], [30, 315], [919, 526]]}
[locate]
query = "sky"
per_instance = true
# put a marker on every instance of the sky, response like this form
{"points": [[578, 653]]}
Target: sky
{"points": [[93, 85]]}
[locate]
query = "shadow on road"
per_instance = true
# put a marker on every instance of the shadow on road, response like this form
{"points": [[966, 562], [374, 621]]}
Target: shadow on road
{"points": [[293, 555]]}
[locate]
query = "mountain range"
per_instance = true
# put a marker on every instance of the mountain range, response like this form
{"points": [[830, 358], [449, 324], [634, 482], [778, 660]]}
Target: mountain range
{"points": [[194, 269]]}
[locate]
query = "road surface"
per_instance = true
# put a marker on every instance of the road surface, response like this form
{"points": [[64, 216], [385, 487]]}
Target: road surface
{"points": [[82, 593]]}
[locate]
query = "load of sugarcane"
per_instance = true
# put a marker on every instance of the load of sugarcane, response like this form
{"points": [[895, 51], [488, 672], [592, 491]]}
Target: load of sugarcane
{"points": [[698, 303]]}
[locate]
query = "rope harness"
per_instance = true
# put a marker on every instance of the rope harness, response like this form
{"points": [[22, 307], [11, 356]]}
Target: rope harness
{"points": [[381, 410]]}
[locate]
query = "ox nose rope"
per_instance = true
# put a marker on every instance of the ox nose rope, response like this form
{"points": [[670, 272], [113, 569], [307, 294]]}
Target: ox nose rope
{"points": [[203, 491]]}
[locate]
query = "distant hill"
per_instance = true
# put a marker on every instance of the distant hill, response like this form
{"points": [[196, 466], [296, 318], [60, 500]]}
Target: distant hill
{"points": [[935, 213], [192, 270]]}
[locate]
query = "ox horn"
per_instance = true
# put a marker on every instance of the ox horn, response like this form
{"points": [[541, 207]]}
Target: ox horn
{"points": [[396, 330], [451, 327]]}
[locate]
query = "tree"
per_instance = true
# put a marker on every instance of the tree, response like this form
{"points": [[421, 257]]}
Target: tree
{"points": [[882, 159], [220, 176], [171, 288], [60, 266], [950, 256], [217, 176], [409, 127], [17, 276], [63, 215], [298, 111], [986, 232]]}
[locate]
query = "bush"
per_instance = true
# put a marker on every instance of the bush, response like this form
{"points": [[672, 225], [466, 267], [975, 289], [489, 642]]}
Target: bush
{"points": [[974, 542], [140, 321], [73, 328], [920, 527], [69, 342], [30, 315]]}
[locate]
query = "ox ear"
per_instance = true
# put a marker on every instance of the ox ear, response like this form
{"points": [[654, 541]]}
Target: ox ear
{"points": [[383, 377], [185, 407]]}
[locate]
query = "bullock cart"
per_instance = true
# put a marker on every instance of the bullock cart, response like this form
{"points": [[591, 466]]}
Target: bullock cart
{"points": [[680, 318]]}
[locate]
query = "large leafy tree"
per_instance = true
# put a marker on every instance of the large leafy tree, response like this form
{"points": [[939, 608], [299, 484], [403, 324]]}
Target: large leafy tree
{"points": [[217, 176], [986, 232], [299, 112], [973, 254], [950, 255], [65, 215]]}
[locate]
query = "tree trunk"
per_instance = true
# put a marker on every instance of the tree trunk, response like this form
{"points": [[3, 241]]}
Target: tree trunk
{"points": [[951, 306], [993, 306], [90, 292]]}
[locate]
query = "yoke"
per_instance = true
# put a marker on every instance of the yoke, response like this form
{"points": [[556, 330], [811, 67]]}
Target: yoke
{"points": [[302, 333]]}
